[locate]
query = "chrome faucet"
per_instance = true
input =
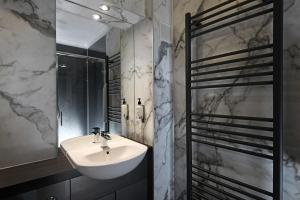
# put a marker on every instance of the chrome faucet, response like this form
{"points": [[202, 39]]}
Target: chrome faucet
{"points": [[104, 137]]}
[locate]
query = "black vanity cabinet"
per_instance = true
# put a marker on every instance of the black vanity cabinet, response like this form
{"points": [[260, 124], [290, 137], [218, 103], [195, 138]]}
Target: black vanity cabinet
{"points": [[129, 187], [84, 188], [136, 191], [58, 191]]}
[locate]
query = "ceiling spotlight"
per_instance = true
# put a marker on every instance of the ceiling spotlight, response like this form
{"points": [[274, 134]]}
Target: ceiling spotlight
{"points": [[104, 7], [96, 17]]}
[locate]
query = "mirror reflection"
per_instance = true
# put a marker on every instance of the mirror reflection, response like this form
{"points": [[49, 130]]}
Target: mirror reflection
{"points": [[89, 54]]}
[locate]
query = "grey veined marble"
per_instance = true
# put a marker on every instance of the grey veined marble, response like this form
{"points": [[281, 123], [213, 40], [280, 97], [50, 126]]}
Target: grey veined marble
{"points": [[28, 130], [163, 100], [251, 101]]}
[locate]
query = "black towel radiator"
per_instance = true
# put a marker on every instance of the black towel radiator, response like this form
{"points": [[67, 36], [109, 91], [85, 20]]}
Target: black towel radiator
{"points": [[210, 181], [114, 90]]}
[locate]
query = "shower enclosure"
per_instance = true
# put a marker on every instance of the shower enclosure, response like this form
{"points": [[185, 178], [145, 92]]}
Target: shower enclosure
{"points": [[81, 82]]}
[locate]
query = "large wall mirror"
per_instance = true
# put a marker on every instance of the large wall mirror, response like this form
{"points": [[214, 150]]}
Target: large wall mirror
{"points": [[64, 70], [90, 46]]}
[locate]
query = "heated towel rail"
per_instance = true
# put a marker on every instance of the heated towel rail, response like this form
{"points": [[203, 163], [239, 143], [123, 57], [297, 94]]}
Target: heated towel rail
{"points": [[203, 183]]}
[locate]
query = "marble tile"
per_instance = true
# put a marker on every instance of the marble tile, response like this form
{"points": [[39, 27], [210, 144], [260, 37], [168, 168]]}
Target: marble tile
{"points": [[28, 128], [163, 101], [179, 10], [291, 107]]}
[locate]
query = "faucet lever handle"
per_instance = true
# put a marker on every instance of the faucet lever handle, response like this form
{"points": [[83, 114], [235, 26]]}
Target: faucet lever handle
{"points": [[106, 135]]}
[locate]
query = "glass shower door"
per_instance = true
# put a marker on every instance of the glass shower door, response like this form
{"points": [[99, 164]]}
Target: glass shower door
{"points": [[72, 96]]}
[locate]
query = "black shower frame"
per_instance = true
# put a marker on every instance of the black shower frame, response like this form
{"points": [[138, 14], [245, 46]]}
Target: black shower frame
{"points": [[277, 108]]}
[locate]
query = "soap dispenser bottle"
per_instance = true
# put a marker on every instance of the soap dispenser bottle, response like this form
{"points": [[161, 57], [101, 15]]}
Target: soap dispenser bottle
{"points": [[124, 109], [140, 111]]}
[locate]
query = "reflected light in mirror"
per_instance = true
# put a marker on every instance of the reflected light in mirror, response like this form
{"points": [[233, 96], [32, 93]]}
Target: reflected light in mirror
{"points": [[96, 17], [104, 7]]}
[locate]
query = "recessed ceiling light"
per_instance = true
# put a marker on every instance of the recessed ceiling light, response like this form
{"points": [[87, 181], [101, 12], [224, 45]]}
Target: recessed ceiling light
{"points": [[104, 7], [96, 17]]}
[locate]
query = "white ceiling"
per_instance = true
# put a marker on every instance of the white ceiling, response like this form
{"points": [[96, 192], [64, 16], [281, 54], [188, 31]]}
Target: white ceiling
{"points": [[76, 27], [74, 30]]}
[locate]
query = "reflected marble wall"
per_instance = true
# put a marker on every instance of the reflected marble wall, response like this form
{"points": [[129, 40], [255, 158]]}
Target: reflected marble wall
{"points": [[137, 79], [127, 81], [28, 128], [143, 58], [238, 101]]}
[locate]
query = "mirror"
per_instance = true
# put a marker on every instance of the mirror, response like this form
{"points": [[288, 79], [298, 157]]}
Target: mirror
{"points": [[93, 45]]}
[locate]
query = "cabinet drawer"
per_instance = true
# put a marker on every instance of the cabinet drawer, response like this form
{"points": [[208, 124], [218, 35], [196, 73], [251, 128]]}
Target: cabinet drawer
{"points": [[59, 191], [136, 191]]}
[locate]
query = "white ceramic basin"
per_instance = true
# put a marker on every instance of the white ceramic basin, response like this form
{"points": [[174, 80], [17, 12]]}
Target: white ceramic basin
{"points": [[91, 160]]}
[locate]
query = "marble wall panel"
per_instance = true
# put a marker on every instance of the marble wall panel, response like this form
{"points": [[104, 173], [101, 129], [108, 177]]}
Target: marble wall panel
{"points": [[163, 100], [291, 109], [179, 10], [28, 128]]}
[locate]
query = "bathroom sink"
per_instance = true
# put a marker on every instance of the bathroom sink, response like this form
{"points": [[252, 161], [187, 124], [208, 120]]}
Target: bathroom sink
{"points": [[90, 159]]}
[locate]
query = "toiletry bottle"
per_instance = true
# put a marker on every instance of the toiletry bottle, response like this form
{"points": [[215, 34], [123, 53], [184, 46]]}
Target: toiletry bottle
{"points": [[124, 109], [140, 111]]}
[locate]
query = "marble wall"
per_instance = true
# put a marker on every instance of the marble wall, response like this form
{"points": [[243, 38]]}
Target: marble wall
{"points": [[149, 76], [179, 10], [127, 81], [28, 128], [163, 100], [254, 101], [291, 109]]}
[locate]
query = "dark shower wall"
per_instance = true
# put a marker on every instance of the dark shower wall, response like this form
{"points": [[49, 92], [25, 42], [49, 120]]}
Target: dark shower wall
{"points": [[254, 101]]}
